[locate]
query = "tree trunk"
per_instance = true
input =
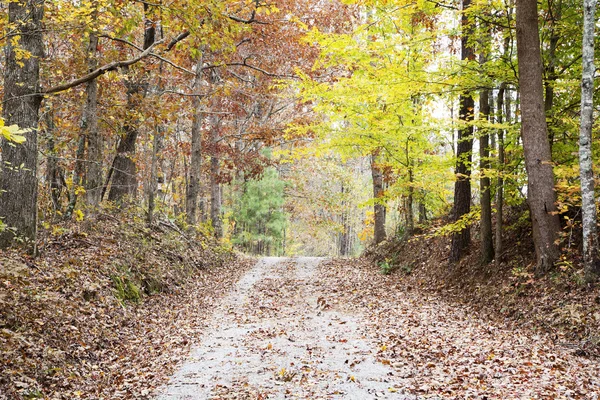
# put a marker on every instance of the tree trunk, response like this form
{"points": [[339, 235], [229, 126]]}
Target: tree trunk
{"points": [[379, 206], [422, 212], [156, 150], [487, 240], [54, 173], [215, 184], [554, 16], [18, 176], [500, 181], [344, 248], [588, 208], [410, 219], [538, 160], [78, 172], [193, 187], [462, 187], [93, 184], [124, 183]]}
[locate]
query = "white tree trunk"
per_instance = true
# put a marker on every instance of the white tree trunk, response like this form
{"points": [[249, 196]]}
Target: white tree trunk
{"points": [[590, 234]]}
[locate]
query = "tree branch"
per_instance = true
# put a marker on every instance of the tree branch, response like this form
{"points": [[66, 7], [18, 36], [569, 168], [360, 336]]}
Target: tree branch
{"points": [[177, 39], [101, 71], [135, 46]]}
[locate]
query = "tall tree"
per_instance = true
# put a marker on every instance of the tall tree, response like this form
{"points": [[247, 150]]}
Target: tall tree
{"points": [[379, 205], [124, 170], [500, 181], [487, 240], [93, 185], [588, 208], [215, 172], [534, 132], [193, 187], [464, 147], [18, 176]]}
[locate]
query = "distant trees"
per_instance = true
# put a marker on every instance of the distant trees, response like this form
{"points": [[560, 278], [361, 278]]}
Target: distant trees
{"points": [[258, 215], [183, 99]]}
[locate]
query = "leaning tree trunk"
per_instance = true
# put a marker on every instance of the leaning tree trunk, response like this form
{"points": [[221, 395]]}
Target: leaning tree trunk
{"points": [[534, 132], [462, 186], [18, 176], [487, 240], [379, 206], [588, 208]]}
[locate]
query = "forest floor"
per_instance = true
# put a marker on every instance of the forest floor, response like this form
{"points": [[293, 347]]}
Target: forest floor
{"points": [[338, 329], [108, 309]]}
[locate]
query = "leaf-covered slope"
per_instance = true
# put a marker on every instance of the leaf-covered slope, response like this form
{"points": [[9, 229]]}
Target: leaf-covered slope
{"points": [[106, 310]]}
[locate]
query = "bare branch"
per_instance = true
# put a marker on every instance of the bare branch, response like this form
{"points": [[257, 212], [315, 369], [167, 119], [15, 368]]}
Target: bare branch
{"points": [[177, 39], [101, 71], [135, 46]]}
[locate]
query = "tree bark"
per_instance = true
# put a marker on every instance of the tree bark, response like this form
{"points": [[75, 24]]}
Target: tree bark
{"points": [[54, 173], [344, 235], [588, 209], [193, 188], [215, 184], [124, 181], [93, 185], [554, 16], [18, 176], [464, 148], [487, 240], [534, 132], [500, 180], [157, 144], [78, 173], [379, 206]]}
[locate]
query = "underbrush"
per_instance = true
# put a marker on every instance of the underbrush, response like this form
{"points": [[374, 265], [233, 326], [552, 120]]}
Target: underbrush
{"points": [[559, 303], [106, 307]]}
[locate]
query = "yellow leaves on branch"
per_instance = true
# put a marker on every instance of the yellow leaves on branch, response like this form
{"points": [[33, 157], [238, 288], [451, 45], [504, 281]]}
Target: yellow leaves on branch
{"points": [[12, 133]]}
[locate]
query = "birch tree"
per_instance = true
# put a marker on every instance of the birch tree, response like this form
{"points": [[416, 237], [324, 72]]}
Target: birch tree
{"points": [[588, 208]]}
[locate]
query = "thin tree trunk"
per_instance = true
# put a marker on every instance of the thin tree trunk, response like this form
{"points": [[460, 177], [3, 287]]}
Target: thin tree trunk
{"points": [[462, 187], [93, 186], [422, 211], [500, 181], [487, 240], [18, 176], [215, 184], [157, 144], [588, 208], [410, 219], [124, 183], [344, 234], [379, 206], [538, 160], [193, 187], [53, 170], [78, 173]]}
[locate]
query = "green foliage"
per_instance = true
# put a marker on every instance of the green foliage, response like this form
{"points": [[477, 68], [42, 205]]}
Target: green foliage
{"points": [[461, 224], [126, 289], [258, 215]]}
